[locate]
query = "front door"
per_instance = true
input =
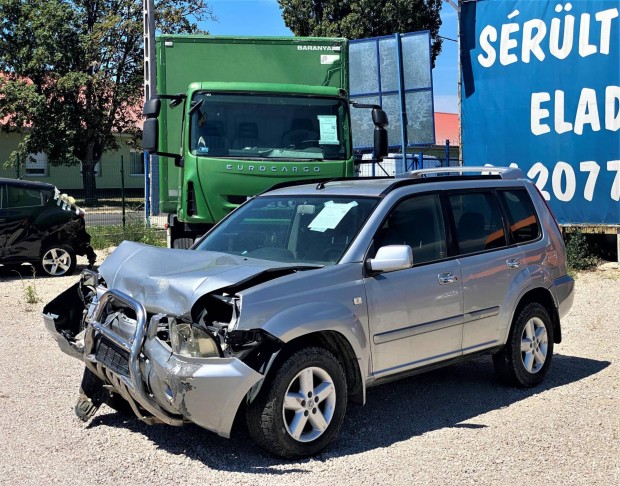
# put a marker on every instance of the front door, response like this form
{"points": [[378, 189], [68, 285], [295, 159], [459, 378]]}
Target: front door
{"points": [[415, 314]]}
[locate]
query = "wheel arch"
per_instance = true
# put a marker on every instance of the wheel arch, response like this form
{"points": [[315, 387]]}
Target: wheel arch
{"points": [[334, 342], [542, 296]]}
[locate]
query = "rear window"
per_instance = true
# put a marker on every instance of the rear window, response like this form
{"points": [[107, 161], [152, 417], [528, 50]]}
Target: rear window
{"points": [[19, 197], [521, 215]]}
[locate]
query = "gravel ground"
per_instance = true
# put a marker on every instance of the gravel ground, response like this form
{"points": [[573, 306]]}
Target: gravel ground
{"points": [[452, 426]]}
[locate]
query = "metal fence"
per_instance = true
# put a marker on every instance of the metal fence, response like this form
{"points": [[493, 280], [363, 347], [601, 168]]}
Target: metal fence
{"points": [[421, 158]]}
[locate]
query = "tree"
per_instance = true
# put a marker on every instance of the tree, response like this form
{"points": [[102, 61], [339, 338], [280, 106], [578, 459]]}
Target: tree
{"points": [[71, 73], [356, 19]]}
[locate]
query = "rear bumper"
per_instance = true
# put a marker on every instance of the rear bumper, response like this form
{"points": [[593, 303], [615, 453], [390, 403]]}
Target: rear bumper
{"points": [[563, 291], [143, 370]]}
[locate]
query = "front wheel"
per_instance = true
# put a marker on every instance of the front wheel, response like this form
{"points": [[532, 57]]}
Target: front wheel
{"points": [[526, 358], [300, 410]]}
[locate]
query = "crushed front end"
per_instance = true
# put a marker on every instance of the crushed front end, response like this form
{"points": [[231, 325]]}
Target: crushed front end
{"points": [[168, 368]]}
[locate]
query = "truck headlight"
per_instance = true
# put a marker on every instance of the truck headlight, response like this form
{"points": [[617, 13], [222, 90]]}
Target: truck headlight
{"points": [[191, 341]]}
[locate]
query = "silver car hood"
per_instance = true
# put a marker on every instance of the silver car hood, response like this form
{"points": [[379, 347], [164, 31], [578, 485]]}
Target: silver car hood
{"points": [[171, 281]]}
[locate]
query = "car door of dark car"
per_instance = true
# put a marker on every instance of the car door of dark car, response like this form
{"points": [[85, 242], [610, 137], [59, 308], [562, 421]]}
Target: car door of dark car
{"points": [[20, 236], [3, 222], [415, 314]]}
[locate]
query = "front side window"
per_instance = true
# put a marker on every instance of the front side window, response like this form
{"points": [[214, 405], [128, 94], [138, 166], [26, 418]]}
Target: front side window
{"points": [[478, 222], [305, 229], [268, 126], [417, 222]]}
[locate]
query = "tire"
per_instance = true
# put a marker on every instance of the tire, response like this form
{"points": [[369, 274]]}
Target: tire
{"points": [[183, 243], [57, 260], [119, 404], [525, 359], [303, 425]]}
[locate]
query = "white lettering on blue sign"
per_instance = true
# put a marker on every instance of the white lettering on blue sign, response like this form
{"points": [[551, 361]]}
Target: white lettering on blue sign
{"points": [[560, 42]]}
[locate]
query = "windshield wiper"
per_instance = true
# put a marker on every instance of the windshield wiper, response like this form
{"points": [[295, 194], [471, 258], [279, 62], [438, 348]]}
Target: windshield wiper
{"points": [[196, 105]]}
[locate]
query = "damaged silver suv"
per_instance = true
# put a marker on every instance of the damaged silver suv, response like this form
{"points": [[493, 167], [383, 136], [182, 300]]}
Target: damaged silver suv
{"points": [[307, 295]]}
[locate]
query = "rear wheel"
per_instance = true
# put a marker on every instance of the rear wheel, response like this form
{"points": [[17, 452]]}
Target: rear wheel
{"points": [[300, 410], [526, 358], [58, 260]]}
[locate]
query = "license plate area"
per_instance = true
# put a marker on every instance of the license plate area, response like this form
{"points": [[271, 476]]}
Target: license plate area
{"points": [[112, 356]]}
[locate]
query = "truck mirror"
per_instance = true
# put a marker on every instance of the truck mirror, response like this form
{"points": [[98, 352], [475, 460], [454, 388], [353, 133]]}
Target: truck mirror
{"points": [[381, 143], [380, 119], [151, 108], [150, 135]]}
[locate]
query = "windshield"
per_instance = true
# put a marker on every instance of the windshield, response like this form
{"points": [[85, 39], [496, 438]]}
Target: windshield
{"points": [[268, 126], [305, 230]]}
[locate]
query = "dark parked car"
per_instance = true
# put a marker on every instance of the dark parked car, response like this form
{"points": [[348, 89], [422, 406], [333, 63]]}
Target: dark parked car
{"points": [[40, 226]]}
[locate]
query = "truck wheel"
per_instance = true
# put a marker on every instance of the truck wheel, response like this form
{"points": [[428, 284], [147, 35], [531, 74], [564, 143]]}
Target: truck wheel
{"points": [[300, 409], [526, 357], [57, 260], [182, 243]]}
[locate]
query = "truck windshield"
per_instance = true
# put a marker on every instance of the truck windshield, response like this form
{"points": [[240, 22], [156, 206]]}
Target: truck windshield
{"points": [[268, 126], [305, 230]]}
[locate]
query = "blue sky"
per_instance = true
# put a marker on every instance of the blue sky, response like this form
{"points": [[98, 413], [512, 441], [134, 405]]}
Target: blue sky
{"points": [[262, 17]]}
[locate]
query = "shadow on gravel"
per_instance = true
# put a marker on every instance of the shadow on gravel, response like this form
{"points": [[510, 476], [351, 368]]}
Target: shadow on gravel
{"points": [[393, 412]]}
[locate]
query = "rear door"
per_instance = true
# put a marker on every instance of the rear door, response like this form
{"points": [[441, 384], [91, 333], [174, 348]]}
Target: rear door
{"points": [[415, 314], [21, 238], [491, 267]]}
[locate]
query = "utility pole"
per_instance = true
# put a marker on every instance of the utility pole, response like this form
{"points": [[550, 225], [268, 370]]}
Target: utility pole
{"points": [[457, 7], [151, 166]]}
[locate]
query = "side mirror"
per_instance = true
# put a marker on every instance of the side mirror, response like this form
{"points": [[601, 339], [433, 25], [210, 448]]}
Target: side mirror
{"points": [[150, 134], [151, 108], [380, 119], [391, 258]]}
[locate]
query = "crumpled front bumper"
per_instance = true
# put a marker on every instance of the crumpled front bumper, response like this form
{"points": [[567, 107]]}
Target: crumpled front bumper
{"points": [[143, 369]]}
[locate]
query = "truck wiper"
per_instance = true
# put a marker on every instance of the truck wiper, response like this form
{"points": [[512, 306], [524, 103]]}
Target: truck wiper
{"points": [[196, 105]]}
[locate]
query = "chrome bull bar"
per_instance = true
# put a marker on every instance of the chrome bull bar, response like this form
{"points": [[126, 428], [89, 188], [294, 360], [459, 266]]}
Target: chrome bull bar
{"points": [[132, 387]]}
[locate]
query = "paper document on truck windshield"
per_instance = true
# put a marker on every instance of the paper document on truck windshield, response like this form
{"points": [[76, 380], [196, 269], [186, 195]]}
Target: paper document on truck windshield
{"points": [[330, 216], [329, 130]]}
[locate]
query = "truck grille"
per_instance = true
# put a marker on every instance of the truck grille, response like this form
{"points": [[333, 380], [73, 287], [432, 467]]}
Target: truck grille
{"points": [[113, 357]]}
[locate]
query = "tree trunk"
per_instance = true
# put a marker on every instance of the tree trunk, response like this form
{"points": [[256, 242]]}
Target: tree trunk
{"points": [[89, 182]]}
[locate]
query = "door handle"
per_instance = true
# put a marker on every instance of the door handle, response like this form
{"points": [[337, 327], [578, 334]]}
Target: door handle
{"points": [[513, 263], [446, 278]]}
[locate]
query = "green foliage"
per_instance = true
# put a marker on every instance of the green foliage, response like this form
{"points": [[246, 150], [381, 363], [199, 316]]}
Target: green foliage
{"points": [[579, 255], [30, 290], [356, 19], [106, 236], [71, 72]]}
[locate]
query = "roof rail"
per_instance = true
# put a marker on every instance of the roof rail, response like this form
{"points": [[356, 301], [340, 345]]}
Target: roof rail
{"points": [[503, 172]]}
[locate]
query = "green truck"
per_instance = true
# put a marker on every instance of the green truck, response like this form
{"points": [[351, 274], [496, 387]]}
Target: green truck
{"points": [[234, 116]]}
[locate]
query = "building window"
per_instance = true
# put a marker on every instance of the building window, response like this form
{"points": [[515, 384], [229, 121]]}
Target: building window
{"points": [[136, 163], [36, 165]]}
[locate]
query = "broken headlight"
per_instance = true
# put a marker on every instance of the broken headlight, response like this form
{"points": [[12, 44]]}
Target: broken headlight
{"points": [[191, 341]]}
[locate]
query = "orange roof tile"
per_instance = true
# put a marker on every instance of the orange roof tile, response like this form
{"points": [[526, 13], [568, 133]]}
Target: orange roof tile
{"points": [[447, 128]]}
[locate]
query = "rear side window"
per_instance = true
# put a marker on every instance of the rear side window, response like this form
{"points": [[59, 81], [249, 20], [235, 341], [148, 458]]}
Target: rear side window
{"points": [[521, 215], [478, 222], [20, 197]]}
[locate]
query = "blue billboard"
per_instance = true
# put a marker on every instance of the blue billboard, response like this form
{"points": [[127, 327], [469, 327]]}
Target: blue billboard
{"points": [[541, 91]]}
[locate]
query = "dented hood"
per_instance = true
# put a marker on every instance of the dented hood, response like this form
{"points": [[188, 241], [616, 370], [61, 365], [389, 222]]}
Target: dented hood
{"points": [[171, 281]]}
